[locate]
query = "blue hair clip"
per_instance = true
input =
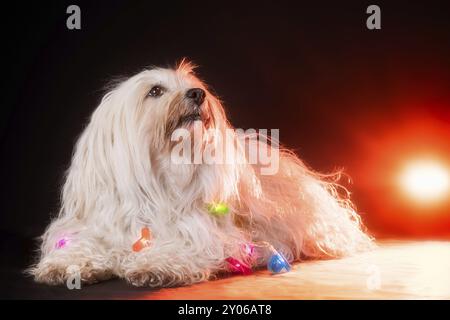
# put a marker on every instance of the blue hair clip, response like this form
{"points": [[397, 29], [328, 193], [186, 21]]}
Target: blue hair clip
{"points": [[277, 263]]}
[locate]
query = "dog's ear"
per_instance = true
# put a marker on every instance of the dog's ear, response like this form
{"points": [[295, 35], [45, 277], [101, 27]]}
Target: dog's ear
{"points": [[109, 160], [185, 66]]}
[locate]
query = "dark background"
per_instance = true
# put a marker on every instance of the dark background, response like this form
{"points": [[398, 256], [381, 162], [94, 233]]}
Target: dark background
{"points": [[341, 95]]}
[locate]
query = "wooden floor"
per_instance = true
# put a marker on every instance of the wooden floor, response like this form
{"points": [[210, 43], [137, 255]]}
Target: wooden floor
{"points": [[395, 270]]}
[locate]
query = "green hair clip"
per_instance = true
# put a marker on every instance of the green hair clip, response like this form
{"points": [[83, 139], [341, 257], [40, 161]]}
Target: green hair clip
{"points": [[218, 209]]}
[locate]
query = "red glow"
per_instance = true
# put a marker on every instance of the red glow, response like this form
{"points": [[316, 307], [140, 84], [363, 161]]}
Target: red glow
{"points": [[387, 149]]}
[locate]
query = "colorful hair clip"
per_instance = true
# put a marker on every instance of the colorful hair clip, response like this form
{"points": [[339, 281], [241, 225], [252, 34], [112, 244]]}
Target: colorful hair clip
{"points": [[144, 240], [238, 267], [249, 249], [62, 242], [218, 209], [277, 262]]}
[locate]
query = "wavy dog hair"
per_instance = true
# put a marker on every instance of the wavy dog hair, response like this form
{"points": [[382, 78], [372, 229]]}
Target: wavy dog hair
{"points": [[121, 179]]}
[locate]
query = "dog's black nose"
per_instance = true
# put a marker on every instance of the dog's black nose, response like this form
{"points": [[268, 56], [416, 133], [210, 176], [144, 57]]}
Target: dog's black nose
{"points": [[197, 95]]}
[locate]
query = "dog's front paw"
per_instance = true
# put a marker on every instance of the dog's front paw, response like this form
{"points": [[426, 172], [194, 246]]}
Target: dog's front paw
{"points": [[51, 274], [144, 279], [57, 274], [159, 278]]}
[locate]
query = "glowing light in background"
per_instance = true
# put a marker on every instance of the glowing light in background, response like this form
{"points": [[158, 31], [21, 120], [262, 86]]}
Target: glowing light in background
{"points": [[425, 181]]}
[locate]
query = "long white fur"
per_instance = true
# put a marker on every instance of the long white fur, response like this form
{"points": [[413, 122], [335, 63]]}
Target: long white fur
{"points": [[121, 178]]}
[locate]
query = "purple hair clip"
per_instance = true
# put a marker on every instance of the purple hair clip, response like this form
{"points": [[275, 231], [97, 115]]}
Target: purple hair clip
{"points": [[62, 242]]}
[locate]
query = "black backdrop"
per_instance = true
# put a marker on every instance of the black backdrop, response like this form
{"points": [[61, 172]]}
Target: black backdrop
{"points": [[309, 69]]}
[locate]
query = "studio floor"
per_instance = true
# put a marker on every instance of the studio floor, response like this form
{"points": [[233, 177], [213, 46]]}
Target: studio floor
{"points": [[395, 270]]}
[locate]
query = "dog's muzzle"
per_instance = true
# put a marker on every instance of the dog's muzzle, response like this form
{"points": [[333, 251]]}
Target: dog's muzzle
{"points": [[195, 97]]}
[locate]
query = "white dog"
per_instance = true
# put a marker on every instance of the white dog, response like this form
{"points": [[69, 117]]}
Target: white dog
{"points": [[122, 179]]}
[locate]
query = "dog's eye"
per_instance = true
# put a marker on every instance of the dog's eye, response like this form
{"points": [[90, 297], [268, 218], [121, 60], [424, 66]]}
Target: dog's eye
{"points": [[156, 91]]}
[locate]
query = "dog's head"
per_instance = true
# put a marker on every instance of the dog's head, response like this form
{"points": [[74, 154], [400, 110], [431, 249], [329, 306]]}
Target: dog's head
{"points": [[158, 101], [127, 145]]}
